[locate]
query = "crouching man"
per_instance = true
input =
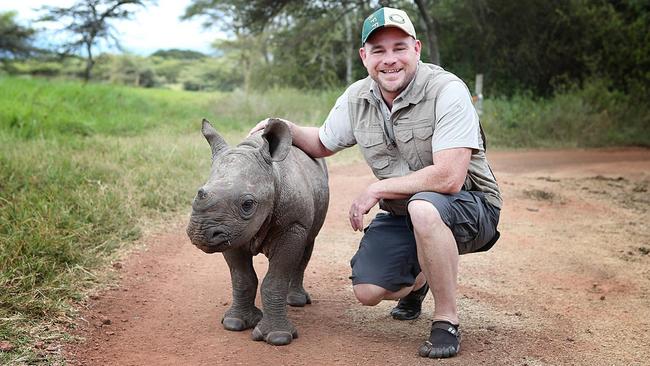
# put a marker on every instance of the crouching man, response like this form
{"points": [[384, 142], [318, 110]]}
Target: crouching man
{"points": [[419, 133]]}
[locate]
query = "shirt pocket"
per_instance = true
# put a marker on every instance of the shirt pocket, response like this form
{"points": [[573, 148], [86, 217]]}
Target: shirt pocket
{"points": [[374, 150], [414, 143]]}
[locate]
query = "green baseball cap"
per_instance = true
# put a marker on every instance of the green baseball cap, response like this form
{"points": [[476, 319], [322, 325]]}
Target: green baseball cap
{"points": [[386, 17]]}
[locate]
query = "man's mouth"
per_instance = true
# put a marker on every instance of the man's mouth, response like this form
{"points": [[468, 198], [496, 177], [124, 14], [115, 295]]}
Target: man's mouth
{"points": [[390, 71]]}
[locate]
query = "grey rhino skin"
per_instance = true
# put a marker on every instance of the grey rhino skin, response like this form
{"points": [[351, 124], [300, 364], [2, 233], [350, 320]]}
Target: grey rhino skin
{"points": [[262, 196]]}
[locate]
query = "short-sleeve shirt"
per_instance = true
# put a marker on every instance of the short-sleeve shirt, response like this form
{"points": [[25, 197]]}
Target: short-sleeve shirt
{"points": [[456, 122]]}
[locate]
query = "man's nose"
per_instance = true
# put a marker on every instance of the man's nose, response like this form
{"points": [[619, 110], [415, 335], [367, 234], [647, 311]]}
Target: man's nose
{"points": [[389, 58]]}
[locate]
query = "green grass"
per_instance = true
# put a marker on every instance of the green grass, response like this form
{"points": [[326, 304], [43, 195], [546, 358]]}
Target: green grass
{"points": [[67, 205], [33, 108], [85, 169]]}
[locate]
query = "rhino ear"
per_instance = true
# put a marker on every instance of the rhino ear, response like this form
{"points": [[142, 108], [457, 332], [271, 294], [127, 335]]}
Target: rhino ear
{"points": [[277, 140], [217, 143]]}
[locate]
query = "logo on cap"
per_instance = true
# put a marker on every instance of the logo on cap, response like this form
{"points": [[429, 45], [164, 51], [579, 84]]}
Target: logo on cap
{"points": [[397, 18]]}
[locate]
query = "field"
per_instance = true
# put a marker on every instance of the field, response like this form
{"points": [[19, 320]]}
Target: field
{"points": [[89, 172]]}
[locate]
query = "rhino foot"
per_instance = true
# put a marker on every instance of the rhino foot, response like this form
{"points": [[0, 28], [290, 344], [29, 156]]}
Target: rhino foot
{"points": [[239, 322], [277, 337], [298, 298]]}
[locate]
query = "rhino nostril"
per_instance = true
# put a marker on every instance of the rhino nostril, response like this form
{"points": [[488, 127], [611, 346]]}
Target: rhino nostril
{"points": [[201, 193]]}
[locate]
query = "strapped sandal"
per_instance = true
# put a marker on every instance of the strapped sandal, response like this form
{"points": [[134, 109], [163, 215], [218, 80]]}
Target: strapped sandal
{"points": [[443, 342], [410, 306]]}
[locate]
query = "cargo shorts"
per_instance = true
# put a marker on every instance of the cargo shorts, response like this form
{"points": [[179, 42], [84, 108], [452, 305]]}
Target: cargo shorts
{"points": [[387, 255]]}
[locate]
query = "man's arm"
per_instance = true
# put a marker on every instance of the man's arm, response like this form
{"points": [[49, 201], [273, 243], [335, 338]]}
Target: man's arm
{"points": [[305, 138], [336, 132], [446, 175]]}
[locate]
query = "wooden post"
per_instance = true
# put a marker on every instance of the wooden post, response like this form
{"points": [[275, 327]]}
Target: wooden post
{"points": [[478, 94], [349, 52]]}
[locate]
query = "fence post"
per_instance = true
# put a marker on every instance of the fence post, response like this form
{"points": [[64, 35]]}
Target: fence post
{"points": [[478, 94]]}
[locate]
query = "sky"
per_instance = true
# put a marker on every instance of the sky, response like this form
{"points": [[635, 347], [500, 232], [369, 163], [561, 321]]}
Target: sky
{"points": [[152, 28]]}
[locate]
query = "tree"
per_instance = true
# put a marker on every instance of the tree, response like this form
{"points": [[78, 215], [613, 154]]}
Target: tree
{"points": [[539, 46], [314, 37], [319, 39], [430, 33], [521, 46], [88, 22], [177, 54], [15, 40]]}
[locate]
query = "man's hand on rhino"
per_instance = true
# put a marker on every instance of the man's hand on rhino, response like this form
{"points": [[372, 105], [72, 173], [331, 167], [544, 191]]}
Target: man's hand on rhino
{"points": [[258, 127], [262, 125]]}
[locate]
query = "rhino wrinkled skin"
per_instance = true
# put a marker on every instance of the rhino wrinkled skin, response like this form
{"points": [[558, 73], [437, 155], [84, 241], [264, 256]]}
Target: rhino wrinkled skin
{"points": [[262, 196]]}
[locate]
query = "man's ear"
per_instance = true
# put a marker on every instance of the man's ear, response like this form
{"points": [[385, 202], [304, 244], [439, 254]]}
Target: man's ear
{"points": [[363, 54], [418, 47], [277, 140]]}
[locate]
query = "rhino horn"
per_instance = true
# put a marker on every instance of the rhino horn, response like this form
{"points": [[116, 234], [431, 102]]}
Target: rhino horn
{"points": [[277, 140], [217, 143]]}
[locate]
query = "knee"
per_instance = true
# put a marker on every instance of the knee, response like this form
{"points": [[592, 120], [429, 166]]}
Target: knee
{"points": [[368, 294], [424, 215]]}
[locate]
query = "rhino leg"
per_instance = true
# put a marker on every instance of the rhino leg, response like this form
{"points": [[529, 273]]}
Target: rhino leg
{"points": [[243, 314], [275, 328], [298, 296]]}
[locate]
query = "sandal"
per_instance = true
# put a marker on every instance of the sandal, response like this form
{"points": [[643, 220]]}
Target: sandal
{"points": [[410, 306], [443, 342]]}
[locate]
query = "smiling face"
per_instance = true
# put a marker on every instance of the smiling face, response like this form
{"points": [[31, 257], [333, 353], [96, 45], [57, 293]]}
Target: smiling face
{"points": [[391, 57]]}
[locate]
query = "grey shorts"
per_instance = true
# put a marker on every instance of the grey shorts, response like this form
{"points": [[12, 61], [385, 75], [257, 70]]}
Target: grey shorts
{"points": [[387, 255]]}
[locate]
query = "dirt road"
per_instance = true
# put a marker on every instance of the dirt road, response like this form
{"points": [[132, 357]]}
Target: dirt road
{"points": [[567, 284]]}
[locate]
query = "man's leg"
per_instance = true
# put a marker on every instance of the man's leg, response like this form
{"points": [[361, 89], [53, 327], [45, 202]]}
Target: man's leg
{"points": [[438, 257], [385, 266], [371, 295]]}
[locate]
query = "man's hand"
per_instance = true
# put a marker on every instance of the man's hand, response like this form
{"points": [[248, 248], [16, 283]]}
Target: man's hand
{"points": [[360, 206], [259, 126], [262, 125]]}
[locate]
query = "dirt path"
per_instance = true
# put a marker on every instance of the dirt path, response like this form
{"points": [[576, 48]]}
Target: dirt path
{"points": [[568, 283]]}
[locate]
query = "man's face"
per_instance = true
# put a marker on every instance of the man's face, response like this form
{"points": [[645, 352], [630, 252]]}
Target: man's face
{"points": [[391, 57]]}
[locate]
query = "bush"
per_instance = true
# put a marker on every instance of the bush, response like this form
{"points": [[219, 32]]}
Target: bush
{"points": [[591, 116]]}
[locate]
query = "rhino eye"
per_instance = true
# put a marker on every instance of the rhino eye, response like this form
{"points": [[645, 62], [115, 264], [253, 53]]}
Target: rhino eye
{"points": [[247, 205]]}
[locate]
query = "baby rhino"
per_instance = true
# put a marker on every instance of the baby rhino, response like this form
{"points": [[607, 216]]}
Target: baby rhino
{"points": [[262, 196]]}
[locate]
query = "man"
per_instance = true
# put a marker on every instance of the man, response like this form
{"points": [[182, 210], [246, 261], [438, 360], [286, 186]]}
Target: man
{"points": [[418, 131]]}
